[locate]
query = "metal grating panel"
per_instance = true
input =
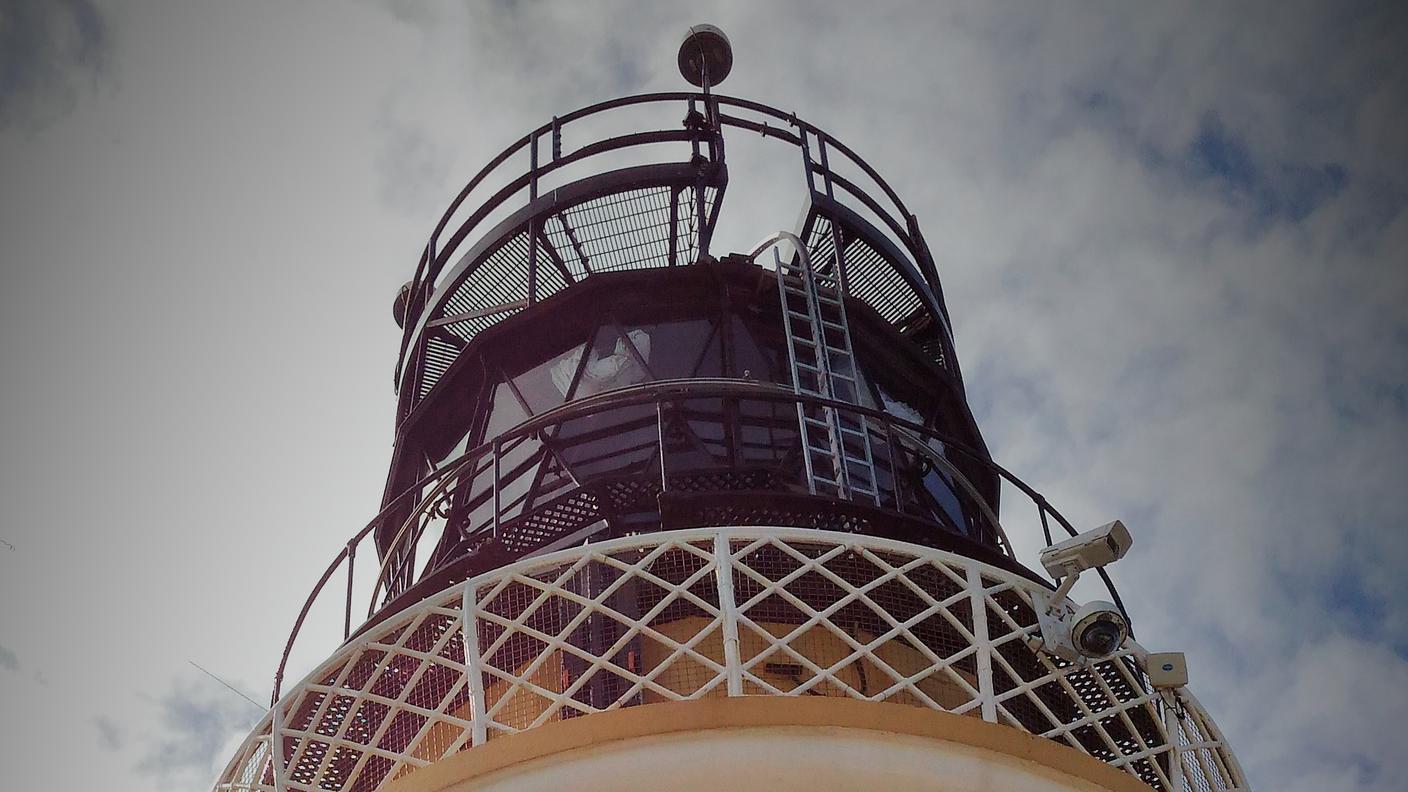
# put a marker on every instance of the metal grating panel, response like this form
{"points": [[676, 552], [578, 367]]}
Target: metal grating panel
{"points": [[871, 278], [440, 354], [500, 279], [628, 230]]}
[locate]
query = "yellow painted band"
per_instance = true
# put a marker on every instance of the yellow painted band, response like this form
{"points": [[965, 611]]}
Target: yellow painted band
{"points": [[760, 711]]}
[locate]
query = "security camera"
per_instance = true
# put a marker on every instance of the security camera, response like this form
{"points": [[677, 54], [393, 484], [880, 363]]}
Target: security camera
{"points": [[1088, 550], [1092, 632], [1098, 630]]}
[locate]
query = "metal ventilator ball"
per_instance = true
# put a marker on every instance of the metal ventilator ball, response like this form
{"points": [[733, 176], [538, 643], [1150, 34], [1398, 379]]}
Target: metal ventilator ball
{"points": [[706, 57]]}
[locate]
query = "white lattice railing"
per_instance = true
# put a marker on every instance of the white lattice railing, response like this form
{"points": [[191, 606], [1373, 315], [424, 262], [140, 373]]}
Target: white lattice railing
{"points": [[715, 612]]}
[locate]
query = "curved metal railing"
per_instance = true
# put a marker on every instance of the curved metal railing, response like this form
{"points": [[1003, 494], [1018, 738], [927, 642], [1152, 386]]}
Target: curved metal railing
{"points": [[479, 482], [736, 611], [507, 182], [644, 468]]}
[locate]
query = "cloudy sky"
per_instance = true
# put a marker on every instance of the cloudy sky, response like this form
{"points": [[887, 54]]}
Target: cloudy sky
{"points": [[1174, 240]]}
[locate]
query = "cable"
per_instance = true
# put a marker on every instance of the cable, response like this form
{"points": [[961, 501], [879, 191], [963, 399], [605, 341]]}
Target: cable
{"points": [[232, 688]]}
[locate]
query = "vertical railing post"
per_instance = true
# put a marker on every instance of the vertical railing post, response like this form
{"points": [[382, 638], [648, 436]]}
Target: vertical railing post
{"points": [[497, 454], [469, 616], [825, 164], [660, 438], [977, 598], [1045, 526], [347, 615], [533, 261], [728, 612], [533, 166], [895, 474], [806, 158], [533, 224], [276, 746], [1175, 749]]}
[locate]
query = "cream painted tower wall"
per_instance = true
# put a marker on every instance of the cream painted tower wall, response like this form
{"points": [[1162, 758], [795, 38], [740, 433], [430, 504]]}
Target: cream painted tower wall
{"points": [[771, 744]]}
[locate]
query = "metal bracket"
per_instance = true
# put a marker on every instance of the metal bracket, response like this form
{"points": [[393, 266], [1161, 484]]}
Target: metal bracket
{"points": [[1052, 613]]}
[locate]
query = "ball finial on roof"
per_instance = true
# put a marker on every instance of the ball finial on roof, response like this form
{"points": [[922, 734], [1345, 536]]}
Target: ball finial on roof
{"points": [[705, 56]]}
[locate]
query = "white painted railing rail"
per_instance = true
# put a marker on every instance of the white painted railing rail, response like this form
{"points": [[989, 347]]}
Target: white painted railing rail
{"points": [[690, 614]]}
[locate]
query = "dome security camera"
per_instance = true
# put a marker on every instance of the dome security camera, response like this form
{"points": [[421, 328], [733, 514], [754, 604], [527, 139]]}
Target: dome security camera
{"points": [[1098, 630]]}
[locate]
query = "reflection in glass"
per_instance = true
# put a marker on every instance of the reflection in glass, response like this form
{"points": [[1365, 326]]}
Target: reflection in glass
{"points": [[507, 412], [539, 384], [620, 367]]}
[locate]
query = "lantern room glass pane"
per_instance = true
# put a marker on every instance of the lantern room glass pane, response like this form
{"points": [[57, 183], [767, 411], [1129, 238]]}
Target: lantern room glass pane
{"points": [[546, 385], [507, 412]]}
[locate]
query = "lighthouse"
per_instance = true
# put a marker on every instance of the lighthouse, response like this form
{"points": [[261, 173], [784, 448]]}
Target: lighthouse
{"points": [[663, 514]]}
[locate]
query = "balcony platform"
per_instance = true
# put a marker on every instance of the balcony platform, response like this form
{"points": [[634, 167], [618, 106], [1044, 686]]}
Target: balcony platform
{"points": [[695, 615]]}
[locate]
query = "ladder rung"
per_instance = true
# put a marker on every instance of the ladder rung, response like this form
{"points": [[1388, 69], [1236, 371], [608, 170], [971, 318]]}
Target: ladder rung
{"points": [[830, 325], [799, 315]]}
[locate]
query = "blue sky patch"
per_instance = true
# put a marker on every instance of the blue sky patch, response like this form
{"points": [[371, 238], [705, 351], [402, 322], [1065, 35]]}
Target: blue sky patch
{"points": [[1288, 190]]}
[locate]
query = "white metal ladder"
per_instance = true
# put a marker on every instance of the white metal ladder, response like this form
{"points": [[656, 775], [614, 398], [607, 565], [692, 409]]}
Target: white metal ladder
{"points": [[836, 446]]}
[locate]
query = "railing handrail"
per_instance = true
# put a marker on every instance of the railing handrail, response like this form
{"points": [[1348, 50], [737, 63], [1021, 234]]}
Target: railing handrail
{"points": [[650, 393], [276, 747], [658, 392], [434, 257]]}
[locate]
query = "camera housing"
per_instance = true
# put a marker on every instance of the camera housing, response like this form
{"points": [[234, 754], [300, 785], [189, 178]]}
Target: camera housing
{"points": [[1094, 631], [1098, 630], [1087, 550]]}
